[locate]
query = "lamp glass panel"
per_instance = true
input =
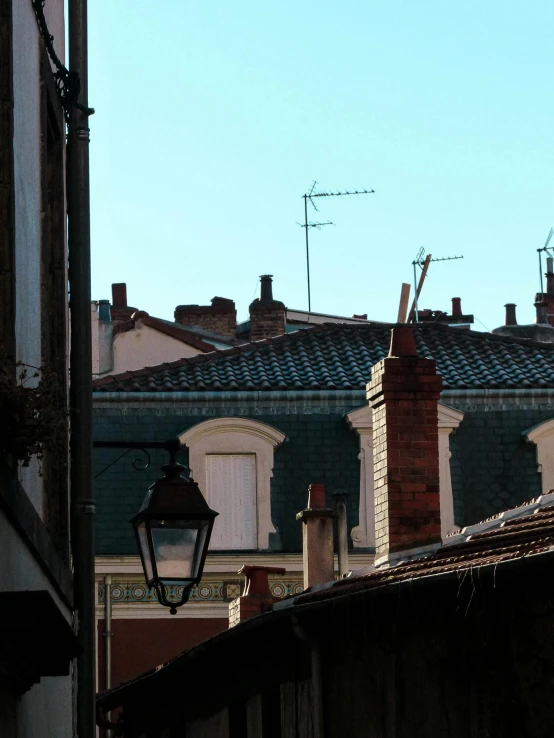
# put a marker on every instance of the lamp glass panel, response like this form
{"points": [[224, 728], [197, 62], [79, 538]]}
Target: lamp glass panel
{"points": [[178, 549], [145, 550]]}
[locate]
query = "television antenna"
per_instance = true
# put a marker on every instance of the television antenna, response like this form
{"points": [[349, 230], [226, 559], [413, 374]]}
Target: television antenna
{"points": [[548, 251], [422, 261], [307, 225]]}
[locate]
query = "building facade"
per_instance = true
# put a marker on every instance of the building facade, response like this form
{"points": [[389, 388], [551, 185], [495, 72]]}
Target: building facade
{"points": [[37, 643], [441, 637], [261, 422]]}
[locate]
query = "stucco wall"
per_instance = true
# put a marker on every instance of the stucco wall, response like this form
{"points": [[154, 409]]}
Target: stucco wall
{"points": [[28, 197], [145, 346], [27, 133], [45, 710]]}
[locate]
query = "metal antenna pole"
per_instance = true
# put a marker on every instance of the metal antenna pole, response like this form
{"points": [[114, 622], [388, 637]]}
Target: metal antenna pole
{"points": [[415, 293], [547, 250], [307, 251], [423, 263], [309, 196]]}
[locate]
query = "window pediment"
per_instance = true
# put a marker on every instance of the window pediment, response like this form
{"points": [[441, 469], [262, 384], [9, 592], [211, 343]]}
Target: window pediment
{"points": [[232, 440]]}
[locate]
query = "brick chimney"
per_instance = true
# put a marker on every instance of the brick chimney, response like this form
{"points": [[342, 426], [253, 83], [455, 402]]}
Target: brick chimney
{"points": [[257, 597], [403, 393], [120, 311], [219, 317], [267, 316], [317, 538]]}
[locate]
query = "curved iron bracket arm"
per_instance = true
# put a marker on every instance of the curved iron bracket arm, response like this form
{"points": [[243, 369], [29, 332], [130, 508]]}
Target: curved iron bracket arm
{"points": [[171, 446]]}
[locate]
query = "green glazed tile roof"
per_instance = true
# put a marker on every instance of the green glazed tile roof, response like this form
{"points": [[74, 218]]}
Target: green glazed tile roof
{"points": [[340, 357]]}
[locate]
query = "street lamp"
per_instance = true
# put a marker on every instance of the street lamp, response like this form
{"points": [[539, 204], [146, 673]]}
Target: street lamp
{"points": [[173, 530]]}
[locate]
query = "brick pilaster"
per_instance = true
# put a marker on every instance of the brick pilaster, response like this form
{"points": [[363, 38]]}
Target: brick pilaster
{"points": [[403, 392]]}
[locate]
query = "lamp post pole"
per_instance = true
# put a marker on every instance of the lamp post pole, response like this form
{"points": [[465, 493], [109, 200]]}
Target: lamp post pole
{"points": [[82, 502]]}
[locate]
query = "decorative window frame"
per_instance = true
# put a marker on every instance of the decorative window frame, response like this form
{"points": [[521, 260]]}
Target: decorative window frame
{"points": [[238, 436], [361, 420], [542, 435]]}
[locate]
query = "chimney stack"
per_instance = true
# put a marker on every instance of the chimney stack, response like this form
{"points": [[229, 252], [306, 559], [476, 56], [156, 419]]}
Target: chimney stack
{"points": [[267, 316], [510, 313], [403, 392], [317, 538], [120, 311], [219, 317], [257, 597]]}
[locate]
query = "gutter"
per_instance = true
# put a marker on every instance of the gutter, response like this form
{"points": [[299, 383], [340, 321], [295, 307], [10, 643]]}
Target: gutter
{"points": [[228, 396], [337, 396]]}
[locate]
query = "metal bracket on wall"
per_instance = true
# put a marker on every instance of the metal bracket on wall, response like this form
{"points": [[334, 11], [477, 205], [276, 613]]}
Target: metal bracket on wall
{"points": [[139, 464]]}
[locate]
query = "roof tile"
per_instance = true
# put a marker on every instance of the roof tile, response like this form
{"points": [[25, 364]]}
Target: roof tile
{"points": [[340, 357]]}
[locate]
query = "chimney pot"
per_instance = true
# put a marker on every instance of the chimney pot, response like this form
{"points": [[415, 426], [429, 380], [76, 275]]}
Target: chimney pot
{"points": [[456, 307], [257, 597], [119, 294], [316, 496], [402, 342], [266, 289], [104, 311], [510, 313], [541, 317]]}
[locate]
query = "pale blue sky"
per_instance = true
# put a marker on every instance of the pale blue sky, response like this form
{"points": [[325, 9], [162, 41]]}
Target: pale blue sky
{"points": [[213, 118]]}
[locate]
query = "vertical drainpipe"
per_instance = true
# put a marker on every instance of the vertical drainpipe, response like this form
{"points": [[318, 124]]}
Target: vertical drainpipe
{"points": [[82, 502], [342, 531], [108, 638]]}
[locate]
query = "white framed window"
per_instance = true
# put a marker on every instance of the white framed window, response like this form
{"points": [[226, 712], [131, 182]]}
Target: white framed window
{"points": [[361, 420], [542, 435], [232, 461]]}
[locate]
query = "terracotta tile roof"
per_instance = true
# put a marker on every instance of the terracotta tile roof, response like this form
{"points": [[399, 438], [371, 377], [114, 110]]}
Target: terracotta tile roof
{"points": [[340, 357], [516, 534], [528, 531]]}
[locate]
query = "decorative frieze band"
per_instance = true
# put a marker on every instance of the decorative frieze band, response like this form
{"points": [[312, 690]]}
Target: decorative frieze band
{"points": [[130, 592]]}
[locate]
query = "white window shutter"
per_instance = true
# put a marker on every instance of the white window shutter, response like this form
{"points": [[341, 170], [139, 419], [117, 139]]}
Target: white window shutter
{"points": [[231, 490]]}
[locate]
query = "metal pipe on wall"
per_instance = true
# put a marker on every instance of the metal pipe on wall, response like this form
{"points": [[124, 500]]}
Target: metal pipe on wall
{"points": [[82, 501], [342, 531], [108, 637]]}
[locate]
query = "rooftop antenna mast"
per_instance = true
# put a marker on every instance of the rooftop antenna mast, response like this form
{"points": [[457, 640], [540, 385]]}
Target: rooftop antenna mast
{"points": [[311, 195], [422, 261], [548, 251]]}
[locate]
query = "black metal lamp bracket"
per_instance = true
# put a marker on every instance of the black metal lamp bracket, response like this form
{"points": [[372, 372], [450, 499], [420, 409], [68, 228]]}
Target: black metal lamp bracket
{"points": [[139, 464]]}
